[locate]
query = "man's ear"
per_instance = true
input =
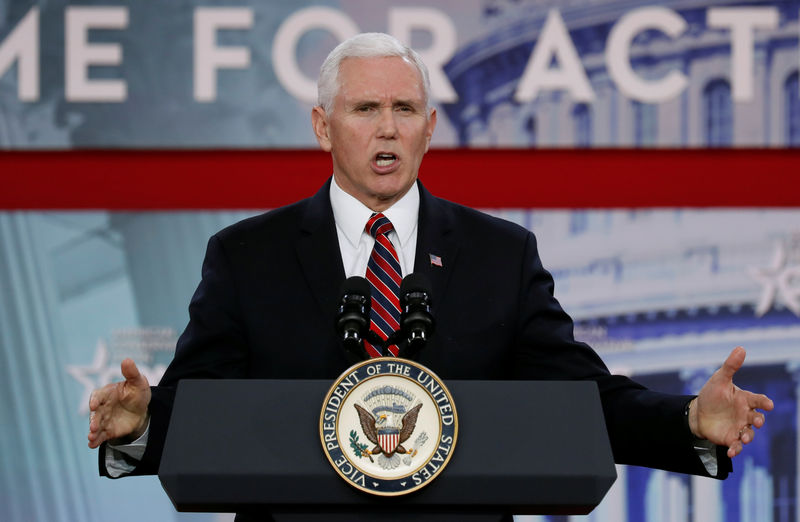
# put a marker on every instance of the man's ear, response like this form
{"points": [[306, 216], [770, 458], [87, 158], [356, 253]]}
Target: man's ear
{"points": [[319, 122], [430, 129]]}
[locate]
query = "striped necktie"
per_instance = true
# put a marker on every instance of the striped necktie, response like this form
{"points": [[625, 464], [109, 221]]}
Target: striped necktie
{"points": [[383, 273]]}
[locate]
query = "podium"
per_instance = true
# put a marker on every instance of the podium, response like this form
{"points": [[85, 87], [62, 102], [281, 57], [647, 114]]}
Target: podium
{"points": [[524, 447]]}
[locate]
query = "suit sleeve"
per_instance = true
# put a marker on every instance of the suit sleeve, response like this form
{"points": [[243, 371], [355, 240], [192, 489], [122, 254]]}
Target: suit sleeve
{"points": [[645, 427], [212, 346]]}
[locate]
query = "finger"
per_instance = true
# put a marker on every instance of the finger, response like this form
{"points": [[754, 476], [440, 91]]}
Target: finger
{"points": [[99, 411], [747, 435], [98, 397], [129, 370], [734, 449], [97, 423], [756, 419], [732, 364], [101, 395], [96, 439], [98, 429], [760, 401]]}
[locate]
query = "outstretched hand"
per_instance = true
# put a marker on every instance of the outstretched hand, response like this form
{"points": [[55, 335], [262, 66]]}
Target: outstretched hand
{"points": [[725, 414], [119, 409]]}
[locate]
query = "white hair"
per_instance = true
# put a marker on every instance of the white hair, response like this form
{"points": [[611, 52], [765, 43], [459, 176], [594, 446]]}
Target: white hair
{"points": [[365, 45]]}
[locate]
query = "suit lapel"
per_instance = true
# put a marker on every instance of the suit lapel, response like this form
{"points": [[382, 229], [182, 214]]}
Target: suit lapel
{"points": [[318, 252], [435, 237], [321, 262]]}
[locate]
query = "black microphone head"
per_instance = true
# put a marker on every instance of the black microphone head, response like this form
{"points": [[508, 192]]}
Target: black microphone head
{"points": [[352, 320], [416, 320], [356, 285], [415, 283]]}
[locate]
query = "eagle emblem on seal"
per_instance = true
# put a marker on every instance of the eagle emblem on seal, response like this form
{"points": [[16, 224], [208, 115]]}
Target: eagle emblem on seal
{"points": [[388, 420]]}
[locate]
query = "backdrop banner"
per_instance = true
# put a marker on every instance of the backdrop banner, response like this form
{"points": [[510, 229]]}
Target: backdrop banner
{"points": [[522, 73], [666, 258]]}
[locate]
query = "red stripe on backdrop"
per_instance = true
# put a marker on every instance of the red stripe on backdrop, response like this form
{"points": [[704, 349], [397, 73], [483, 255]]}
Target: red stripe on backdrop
{"points": [[249, 179]]}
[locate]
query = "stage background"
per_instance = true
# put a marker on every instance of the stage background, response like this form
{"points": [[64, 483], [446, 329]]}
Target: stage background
{"points": [[672, 227]]}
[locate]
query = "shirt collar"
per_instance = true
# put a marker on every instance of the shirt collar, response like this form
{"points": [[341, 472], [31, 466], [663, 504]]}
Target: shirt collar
{"points": [[351, 215]]}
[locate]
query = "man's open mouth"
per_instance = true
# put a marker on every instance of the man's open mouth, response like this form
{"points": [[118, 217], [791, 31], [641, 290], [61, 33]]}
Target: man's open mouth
{"points": [[384, 160]]}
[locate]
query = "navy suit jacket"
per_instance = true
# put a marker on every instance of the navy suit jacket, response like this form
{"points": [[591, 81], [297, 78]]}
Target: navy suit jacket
{"points": [[271, 285]]}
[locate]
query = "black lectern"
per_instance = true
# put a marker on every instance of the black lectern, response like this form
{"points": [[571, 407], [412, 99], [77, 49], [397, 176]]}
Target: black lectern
{"points": [[524, 447]]}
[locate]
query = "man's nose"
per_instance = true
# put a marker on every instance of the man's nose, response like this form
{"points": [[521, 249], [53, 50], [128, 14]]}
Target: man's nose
{"points": [[387, 126]]}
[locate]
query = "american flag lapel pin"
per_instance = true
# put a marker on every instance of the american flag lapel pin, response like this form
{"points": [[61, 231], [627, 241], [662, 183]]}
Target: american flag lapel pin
{"points": [[436, 260]]}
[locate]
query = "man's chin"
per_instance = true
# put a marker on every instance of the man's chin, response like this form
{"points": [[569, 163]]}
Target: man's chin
{"points": [[389, 195], [380, 192]]}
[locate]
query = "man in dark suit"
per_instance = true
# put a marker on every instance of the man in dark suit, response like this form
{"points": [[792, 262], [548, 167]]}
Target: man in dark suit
{"points": [[270, 287]]}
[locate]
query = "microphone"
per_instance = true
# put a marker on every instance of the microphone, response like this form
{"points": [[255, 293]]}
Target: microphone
{"points": [[352, 320], [416, 320]]}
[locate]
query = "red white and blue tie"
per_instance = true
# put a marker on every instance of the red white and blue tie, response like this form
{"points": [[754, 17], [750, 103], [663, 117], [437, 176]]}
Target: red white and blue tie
{"points": [[384, 275]]}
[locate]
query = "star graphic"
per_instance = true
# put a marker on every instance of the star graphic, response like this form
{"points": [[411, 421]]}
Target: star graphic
{"points": [[99, 368], [777, 281]]}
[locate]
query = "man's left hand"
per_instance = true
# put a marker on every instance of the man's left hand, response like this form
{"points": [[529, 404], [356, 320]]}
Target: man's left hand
{"points": [[725, 414]]}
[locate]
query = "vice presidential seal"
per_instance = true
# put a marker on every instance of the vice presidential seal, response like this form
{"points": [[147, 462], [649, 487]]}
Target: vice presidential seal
{"points": [[388, 426]]}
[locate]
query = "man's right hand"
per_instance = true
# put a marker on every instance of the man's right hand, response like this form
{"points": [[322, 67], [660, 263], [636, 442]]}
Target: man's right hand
{"points": [[119, 409]]}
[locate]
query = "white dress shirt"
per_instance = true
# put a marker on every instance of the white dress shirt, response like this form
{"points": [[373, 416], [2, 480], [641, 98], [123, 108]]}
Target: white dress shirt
{"points": [[355, 244]]}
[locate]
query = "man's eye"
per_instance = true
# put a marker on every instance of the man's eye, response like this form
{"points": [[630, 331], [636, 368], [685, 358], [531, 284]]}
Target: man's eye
{"points": [[364, 108], [405, 108]]}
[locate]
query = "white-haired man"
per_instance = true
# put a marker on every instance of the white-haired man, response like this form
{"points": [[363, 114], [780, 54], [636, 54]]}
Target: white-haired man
{"points": [[375, 119]]}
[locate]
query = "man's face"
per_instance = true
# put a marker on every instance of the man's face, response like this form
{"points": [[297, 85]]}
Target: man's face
{"points": [[378, 129]]}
